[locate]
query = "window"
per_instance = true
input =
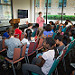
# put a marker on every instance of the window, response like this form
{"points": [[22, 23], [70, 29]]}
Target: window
{"points": [[61, 13], [5, 12], [37, 3], [60, 3], [49, 3]]}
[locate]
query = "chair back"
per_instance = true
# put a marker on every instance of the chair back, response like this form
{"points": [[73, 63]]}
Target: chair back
{"points": [[16, 55], [71, 45], [0, 45], [36, 44], [40, 42], [16, 36], [22, 36], [23, 50], [31, 47], [3, 43], [56, 62], [54, 34]]}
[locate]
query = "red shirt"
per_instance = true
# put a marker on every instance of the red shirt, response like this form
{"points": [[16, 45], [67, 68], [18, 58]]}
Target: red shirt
{"points": [[18, 31]]}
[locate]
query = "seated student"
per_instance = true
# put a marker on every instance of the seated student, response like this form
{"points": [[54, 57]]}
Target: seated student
{"points": [[35, 29], [48, 31], [6, 34], [71, 32], [27, 39], [64, 27], [69, 23], [66, 39], [58, 40], [30, 25], [42, 64], [52, 24], [17, 31], [12, 43]]}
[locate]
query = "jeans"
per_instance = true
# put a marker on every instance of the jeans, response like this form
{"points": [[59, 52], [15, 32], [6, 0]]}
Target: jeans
{"points": [[26, 68]]}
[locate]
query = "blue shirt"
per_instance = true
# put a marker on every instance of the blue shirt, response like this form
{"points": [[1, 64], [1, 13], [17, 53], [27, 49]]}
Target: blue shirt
{"points": [[6, 35], [64, 29], [46, 33]]}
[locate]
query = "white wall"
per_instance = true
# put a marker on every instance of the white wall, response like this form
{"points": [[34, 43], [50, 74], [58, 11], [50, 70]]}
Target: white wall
{"points": [[24, 5]]}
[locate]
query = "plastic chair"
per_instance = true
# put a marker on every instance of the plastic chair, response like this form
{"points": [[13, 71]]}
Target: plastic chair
{"points": [[16, 57], [31, 50], [54, 34], [71, 45], [40, 44], [3, 43], [3, 46], [55, 64]]}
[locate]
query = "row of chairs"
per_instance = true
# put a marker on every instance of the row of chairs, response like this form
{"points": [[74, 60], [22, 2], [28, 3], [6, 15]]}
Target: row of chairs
{"points": [[60, 58], [16, 57]]}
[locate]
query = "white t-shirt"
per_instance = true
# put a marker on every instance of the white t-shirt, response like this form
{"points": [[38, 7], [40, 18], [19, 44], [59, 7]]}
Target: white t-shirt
{"points": [[69, 24], [25, 41], [26, 29], [48, 57]]}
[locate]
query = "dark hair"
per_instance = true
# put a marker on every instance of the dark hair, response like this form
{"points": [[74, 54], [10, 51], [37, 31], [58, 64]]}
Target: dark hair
{"points": [[66, 23], [36, 25], [50, 41], [66, 38], [74, 25], [16, 25], [12, 33], [40, 13], [29, 34], [30, 24], [51, 22], [59, 37], [48, 27], [7, 29]]}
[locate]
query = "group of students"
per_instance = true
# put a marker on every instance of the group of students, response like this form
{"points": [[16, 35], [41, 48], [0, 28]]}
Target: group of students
{"points": [[52, 47]]}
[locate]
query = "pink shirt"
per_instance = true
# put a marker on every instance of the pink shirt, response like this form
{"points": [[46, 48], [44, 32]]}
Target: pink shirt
{"points": [[40, 21]]}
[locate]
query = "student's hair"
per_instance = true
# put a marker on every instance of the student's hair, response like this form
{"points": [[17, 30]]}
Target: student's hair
{"points": [[66, 23], [30, 24], [51, 22], [7, 29], [12, 33], [40, 13], [28, 34], [16, 25], [59, 37], [48, 28], [36, 25], [50, 41], [66, 38]]}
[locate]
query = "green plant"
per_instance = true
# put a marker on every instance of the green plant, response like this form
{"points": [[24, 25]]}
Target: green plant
{"points": [[58, 17]]}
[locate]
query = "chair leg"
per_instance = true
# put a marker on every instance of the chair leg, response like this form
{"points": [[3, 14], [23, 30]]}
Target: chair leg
{"points": [[13, 69], [56, 71], [27, 59], [64, 64], [36, 52]]}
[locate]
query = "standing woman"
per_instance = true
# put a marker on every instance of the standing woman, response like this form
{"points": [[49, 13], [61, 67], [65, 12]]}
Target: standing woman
{"points": [[40, 20]]}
